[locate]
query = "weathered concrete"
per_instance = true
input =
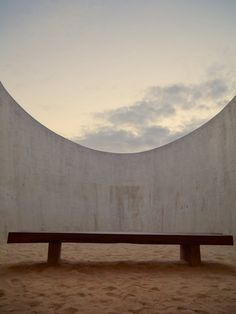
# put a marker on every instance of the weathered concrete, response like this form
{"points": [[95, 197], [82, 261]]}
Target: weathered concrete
{"points": [[48, 183]]}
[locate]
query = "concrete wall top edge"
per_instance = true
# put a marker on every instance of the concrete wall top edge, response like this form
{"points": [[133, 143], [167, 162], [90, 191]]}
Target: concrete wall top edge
{"points": [[5, 94]]}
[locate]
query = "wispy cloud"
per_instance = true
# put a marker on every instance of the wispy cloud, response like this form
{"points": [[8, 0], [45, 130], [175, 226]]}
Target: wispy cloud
{"points": [[164, 114]]}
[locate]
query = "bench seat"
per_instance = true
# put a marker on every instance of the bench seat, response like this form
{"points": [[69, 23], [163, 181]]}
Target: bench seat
{"points": [[189, 243]]}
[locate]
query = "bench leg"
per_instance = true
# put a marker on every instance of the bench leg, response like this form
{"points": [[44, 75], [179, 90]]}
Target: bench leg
{"points": [[191, 254], [54, 252]]}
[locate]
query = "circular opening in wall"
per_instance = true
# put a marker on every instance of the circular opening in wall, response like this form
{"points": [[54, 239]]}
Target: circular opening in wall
{"points": [[119, 76]]}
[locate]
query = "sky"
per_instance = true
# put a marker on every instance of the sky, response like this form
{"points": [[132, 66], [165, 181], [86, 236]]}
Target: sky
{"points": [[119, 75]]}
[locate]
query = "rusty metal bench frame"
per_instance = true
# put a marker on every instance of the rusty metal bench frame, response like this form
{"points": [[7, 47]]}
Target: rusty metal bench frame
{"points": [[189, 243]]}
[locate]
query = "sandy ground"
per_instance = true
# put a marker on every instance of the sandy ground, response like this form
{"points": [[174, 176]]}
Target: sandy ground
{"points": [[116, 279]]}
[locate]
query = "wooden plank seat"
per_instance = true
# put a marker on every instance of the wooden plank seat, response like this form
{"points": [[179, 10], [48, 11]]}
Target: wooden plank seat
{"points": [[189, 243]]}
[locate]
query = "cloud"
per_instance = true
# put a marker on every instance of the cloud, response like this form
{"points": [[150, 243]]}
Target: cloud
{"points": [[141, 112], [164, 114], [118, 140]]}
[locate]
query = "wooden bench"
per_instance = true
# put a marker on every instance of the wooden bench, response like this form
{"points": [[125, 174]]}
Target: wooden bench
{"points": [[189, 243]]}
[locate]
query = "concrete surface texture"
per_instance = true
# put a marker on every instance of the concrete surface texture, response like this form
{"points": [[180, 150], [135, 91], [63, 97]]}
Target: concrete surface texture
{"points": [[48, 183]]}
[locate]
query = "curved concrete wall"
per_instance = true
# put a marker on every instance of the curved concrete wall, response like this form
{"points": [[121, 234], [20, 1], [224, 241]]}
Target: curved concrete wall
{"points": [[48, 183]]}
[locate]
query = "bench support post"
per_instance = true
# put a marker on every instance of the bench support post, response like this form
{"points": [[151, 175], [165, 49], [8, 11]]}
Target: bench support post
{"points": [[191, 254], [54, 253]]}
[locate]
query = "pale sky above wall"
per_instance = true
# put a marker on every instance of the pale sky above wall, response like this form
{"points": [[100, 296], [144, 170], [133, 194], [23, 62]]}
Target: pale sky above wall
{"points": [[119, 75]]}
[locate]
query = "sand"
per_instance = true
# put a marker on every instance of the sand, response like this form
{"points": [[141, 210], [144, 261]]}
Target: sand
{"points": [[116, 279]]}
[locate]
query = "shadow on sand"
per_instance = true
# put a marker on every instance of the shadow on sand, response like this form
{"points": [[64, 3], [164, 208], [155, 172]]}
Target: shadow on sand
{"points": [[168, 267]]}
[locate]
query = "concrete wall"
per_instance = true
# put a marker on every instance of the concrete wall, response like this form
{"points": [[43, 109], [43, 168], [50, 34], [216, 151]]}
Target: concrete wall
{"points": [[48, 183]]}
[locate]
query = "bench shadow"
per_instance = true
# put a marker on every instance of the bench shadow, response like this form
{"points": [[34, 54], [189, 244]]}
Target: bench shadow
{"points": [[125, 266]]}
